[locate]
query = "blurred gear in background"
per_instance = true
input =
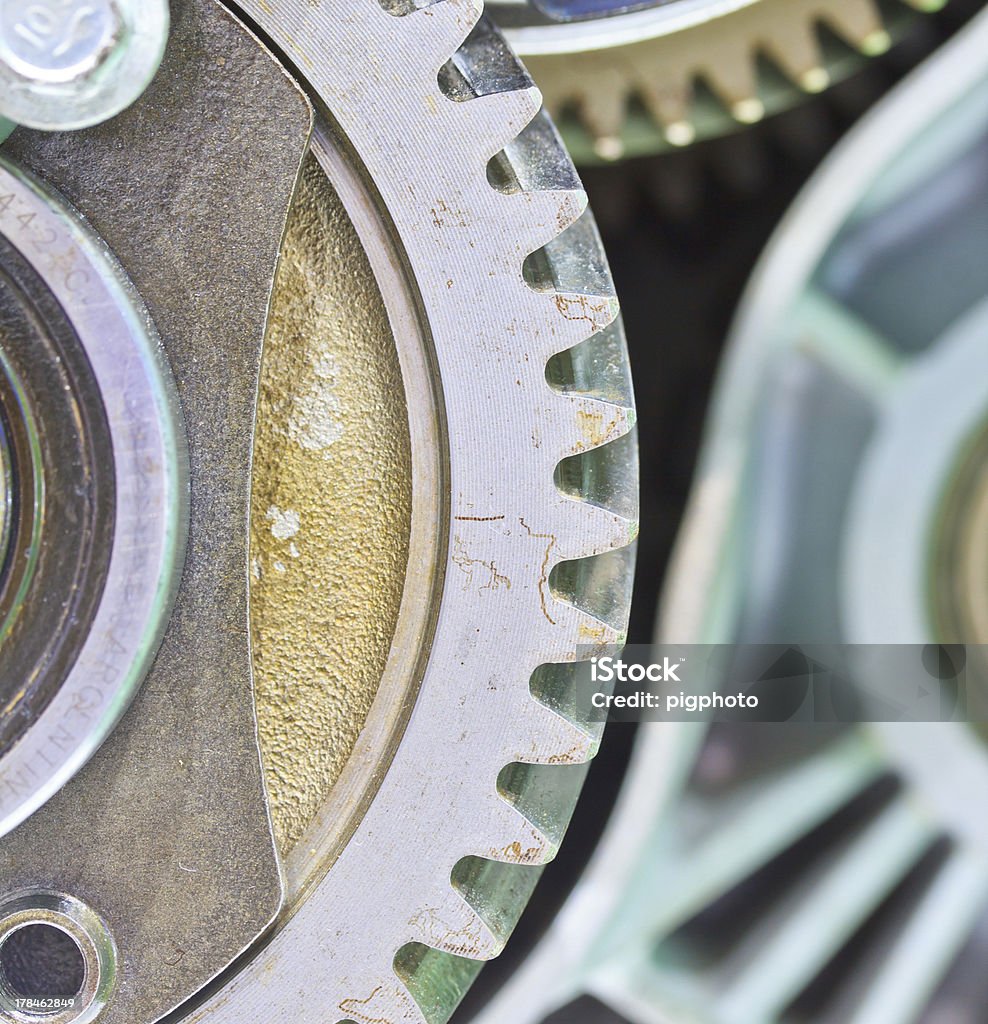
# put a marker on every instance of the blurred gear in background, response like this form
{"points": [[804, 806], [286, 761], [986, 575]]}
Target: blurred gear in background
{"points": [[330, 803], [631, 79]]}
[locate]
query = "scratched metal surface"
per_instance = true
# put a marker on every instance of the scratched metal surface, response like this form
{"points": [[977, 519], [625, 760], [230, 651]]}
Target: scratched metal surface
{"points": [[166, 831], [76, 507]]}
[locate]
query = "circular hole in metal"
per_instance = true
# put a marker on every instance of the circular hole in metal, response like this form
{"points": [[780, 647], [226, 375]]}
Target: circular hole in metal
{"points": [[57, 960], [42, 961]]}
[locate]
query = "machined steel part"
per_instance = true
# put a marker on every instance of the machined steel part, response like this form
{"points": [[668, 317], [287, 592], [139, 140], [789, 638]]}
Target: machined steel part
{"points": [[68, 64], [757, 873], [95, 482], [646, 80], [407, 862], [165, 834]]}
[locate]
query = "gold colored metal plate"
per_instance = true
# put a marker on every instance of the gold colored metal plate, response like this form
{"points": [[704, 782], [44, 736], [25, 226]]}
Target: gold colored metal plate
{"points": [[331, 506]]}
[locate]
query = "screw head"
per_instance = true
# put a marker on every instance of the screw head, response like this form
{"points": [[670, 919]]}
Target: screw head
{"points": [[58, 40], [73, 63]]}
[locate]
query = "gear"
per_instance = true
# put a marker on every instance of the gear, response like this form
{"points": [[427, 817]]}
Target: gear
{"points": [[412, 824], [823, 870], [644, 81]]}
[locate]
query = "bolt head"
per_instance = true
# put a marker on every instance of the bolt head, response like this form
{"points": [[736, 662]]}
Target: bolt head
{"points": [[55, 41]]}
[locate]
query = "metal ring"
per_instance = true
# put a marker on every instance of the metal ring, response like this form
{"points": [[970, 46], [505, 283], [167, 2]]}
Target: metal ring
{"points": [[150, 494], [96, 947]]}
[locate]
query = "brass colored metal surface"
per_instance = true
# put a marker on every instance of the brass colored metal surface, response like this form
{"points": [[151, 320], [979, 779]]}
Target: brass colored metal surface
{"points": [[331, 507]]}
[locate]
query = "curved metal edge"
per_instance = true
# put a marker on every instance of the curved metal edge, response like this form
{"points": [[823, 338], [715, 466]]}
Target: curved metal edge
{"points": [[150, 464], [466, 243]]}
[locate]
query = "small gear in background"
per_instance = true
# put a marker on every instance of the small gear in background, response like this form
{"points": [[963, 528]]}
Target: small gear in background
{"points": [[649, 81], [683, 230]]}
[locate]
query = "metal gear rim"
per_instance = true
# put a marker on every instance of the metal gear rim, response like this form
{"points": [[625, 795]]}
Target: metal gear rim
{"points": [[375, 70], [624, 860]]}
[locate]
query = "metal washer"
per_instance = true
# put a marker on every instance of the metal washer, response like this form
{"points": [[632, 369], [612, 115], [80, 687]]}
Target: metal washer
{"points": [[149, 465]]}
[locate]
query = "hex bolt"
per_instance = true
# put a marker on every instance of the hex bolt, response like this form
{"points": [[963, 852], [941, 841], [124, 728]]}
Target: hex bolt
{"points": [[59, 40], [74, 63]]}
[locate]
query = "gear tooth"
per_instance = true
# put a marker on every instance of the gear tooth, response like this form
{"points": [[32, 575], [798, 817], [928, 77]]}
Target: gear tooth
{"points": [[580, 424], [517, 840], [603, 108], [579, 317], [595, 529], [553, 739], [505, 115], [796, 51], [671, 108], [582, 636], [735, 80], [860, 23], [547, 214], [455, 927], [451, 21]]}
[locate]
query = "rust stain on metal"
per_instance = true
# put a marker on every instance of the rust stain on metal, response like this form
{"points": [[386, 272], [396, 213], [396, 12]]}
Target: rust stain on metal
{"points": [[575, 755], [544, 573], [352, 1007], [594, 430], [515, 853], [581, 307], [464, 941], [467, 565], [442, 216]]}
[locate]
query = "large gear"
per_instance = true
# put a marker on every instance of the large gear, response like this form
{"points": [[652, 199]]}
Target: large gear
{"points": [[642, 81], [411, 834]]}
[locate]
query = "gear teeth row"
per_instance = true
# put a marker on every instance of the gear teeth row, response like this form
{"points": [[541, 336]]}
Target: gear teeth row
{"points": [[511, 273], [548, 205], [599, 85]]}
